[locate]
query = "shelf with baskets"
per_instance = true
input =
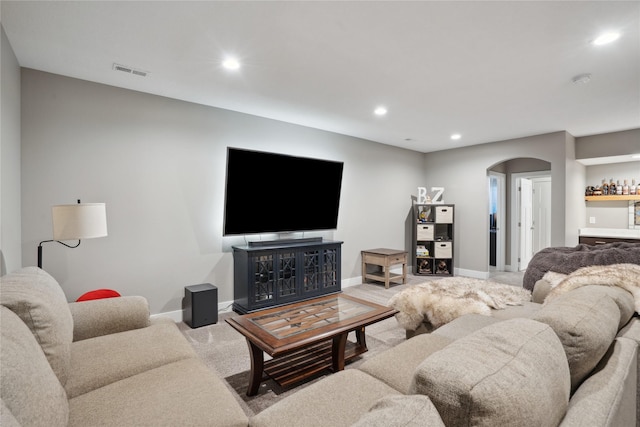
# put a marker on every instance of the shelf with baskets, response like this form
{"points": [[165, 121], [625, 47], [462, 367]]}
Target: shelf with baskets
{"points": [[433, 239]]}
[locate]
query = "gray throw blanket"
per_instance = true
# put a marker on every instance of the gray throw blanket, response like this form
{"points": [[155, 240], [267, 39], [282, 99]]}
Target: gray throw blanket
{"points": [[566, 260]]}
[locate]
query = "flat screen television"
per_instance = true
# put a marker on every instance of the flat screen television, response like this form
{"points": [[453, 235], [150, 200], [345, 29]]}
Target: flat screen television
{"points": [[273, 193]]}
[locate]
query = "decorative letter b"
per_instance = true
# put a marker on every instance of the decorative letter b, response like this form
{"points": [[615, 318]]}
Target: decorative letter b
{"points": [[422, 195]]}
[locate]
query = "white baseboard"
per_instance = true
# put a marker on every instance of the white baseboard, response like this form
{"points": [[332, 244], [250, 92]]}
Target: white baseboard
{"points": [[471, 273], [353, 281], [176, 315]]}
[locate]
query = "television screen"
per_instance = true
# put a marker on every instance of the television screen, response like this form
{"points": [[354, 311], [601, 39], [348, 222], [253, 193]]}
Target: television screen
{"points": [[271, 193]]}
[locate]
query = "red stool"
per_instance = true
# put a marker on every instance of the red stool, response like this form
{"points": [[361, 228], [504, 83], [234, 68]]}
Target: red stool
{"points": [[98, 294]]}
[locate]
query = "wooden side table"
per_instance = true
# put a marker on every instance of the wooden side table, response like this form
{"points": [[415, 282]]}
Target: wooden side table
{"points": [[385, 259]]}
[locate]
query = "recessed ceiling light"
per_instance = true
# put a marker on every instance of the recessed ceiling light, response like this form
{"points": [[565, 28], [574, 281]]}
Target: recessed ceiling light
{"points": [[380, 111], [635, 156], [581, 78], [456, 136], [606, 38], [231, 64]]}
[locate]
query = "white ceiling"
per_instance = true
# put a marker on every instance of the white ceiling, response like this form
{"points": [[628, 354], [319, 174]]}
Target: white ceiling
{"points": [[488, 70]]}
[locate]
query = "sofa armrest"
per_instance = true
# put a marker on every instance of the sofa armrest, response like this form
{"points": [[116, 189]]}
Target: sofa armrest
{"points": [[108, 316]]}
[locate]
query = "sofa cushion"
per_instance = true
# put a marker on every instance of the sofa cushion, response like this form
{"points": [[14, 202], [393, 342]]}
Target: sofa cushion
{"points": [[6, 417], [510, 373], [337, 400], [465, 325], [396, 365], [30, 390], [401, 411], [527, 309], [184, 393], [103, 360], [39, 301], [586, 321], [540, 291], [625, 302], [608, 396]]}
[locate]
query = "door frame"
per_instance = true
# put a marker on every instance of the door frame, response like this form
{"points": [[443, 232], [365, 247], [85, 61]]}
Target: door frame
{"points": [[502, 215], [515, 213]]}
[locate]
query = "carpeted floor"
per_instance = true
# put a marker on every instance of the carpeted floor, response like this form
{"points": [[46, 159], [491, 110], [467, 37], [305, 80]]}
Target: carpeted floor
{"points": [[226, 353]]}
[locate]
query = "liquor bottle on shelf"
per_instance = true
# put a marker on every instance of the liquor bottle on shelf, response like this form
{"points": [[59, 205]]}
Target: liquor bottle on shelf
{"points": [[619, 188], [605, 187], [625, 188], [633, 189], [612, 187]]}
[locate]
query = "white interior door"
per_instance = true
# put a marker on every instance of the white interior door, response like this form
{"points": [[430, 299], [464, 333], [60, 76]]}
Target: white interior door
{"points": [[525, 222], [541, 213]]}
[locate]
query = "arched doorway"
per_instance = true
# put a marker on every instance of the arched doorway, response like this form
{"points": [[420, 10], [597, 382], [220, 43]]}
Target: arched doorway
{"points": [[519, 211]]}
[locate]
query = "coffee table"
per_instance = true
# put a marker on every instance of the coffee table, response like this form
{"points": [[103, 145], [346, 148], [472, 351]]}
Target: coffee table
{"points": [[306, 337]]}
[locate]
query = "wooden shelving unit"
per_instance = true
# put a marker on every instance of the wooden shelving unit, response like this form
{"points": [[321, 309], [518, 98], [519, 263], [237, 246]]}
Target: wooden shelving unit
{"points": [[610, 198], [433, 240]]}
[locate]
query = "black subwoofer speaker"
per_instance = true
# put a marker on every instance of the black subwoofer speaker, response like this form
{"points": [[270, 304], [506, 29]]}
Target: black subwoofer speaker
{"points": [[200, 305]]}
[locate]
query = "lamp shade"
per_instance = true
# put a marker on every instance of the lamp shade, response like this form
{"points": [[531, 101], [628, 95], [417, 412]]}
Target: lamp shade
{"points": [[79, 221]]}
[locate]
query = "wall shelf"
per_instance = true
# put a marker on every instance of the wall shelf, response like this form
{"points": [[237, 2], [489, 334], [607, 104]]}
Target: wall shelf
{"points": [[610, 198]]}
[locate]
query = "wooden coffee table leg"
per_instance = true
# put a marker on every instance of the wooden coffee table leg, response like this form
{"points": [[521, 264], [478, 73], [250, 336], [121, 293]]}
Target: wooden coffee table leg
{"points": [[361, 339], [337, 352], [257, 367]]}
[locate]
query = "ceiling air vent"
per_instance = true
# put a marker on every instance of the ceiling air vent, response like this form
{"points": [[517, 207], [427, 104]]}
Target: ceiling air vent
{"points": [[129, 70]]}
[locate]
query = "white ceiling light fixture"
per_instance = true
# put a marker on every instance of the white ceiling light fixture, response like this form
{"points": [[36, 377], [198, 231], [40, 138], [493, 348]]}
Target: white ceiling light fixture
{"points": [[581, 78], [231, 63], [380, 111], [456, 136], [606, 38], [635, 156]]}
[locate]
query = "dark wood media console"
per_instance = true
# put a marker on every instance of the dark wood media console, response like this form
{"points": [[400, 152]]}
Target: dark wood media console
{"points": [[274, 273]]}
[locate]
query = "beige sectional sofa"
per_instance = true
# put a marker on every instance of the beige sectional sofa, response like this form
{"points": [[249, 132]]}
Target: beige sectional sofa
{"points": [[571, 362], [99, 363]]}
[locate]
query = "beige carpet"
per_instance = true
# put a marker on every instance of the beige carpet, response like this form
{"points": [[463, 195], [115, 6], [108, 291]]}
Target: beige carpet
{"points": [[226, 353]]}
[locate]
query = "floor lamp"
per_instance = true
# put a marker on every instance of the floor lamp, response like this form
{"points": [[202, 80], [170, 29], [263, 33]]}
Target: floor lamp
{"points": [[76, 222]]}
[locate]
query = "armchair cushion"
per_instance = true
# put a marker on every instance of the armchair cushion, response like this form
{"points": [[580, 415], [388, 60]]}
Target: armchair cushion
{"points": [[101, 361], [39, 301], [108, 316]]}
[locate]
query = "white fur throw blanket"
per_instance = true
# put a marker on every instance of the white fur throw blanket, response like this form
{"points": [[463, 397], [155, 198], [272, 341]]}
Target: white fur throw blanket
{"points": [[626, 276], [440, 301]]}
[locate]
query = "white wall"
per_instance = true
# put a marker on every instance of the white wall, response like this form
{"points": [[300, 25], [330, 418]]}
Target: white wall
{"points": [[159, 165], [10, 239]]}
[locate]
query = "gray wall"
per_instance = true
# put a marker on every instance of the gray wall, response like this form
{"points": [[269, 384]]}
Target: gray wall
{"points": [[10, 240], [463, 173], [159, 165], [608, 144]]}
